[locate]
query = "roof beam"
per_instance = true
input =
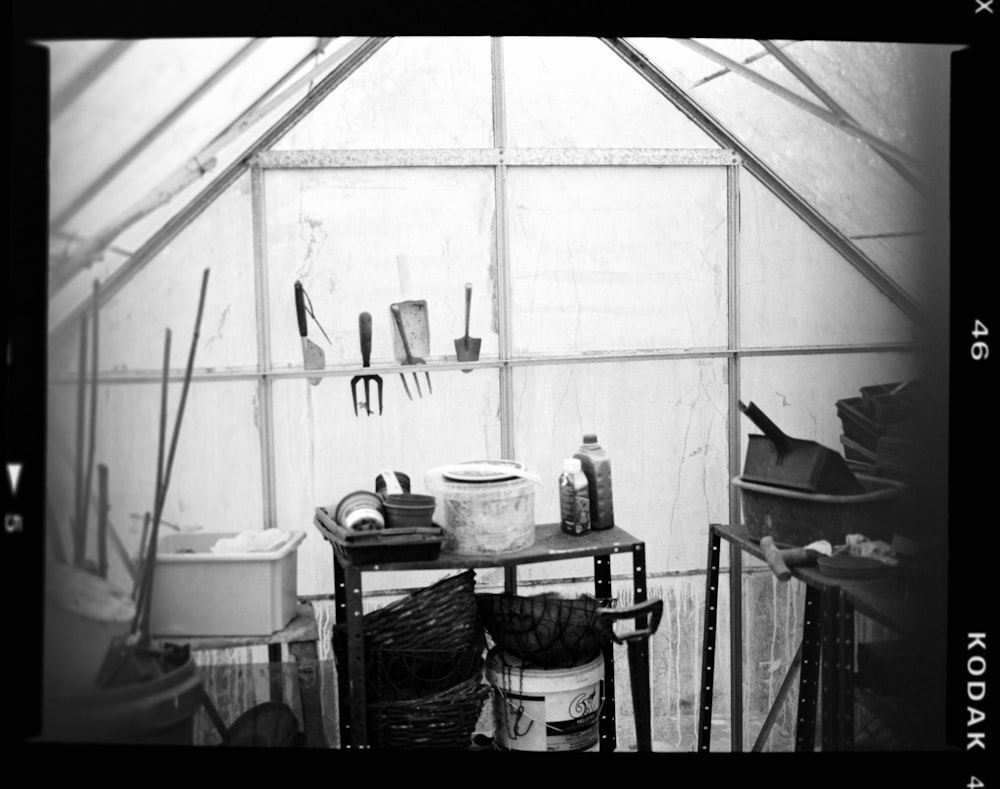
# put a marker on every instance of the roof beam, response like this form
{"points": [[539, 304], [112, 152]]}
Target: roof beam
{"points": [[87, 77], [746, 61], [153, 134], [803, 76], [117, 280], [823, 114], [667, 88]]}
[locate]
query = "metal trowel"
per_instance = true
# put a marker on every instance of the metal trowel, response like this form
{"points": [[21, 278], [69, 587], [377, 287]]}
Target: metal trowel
{"points": [[467, 348], [312, 354]]}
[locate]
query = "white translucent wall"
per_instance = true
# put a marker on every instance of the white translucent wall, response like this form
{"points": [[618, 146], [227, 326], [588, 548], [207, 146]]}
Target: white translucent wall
{"points": [[797, 290], [415, 93], [341, 232], [617, 259], [576, 93], [610, 260]]}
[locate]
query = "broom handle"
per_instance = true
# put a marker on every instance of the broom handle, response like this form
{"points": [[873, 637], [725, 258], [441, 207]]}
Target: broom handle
{"points": [[148, 579], [79, 536], [92, 440]]}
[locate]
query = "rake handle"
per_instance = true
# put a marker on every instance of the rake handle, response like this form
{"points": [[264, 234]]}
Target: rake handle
{"points": [[365, 330]]}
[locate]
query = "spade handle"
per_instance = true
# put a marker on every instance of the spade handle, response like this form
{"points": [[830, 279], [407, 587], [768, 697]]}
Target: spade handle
{"points": [[468, 309]]}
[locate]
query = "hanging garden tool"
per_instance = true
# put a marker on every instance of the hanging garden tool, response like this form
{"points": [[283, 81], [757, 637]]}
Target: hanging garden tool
{"points": [[408, 357], [365, 330], [313, 356], [413, 323], [467, 348]]}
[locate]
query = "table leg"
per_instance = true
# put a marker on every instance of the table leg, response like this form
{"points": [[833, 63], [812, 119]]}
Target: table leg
{"points": [[307, 665], [343, 686], [638, 657], [845, 673], [805, 729], [736, 644], [779, 699], [606, 726], [275, 671], [356, 658], [828, 668], [708, 642]]}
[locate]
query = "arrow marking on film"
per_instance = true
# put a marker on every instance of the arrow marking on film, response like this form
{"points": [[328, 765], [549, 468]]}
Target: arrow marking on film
{"points": [[13, 473]]}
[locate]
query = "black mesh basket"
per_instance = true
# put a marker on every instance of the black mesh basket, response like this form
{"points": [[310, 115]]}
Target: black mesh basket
{"points": [[545, 630]]}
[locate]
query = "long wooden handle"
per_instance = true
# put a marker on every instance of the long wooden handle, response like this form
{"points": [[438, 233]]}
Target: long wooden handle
{"points": [[468, 308], [365, 330], [774, 559]]}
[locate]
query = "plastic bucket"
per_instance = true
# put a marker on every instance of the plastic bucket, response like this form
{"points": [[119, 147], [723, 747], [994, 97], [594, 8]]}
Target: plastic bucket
{"points": [[539, 709], [484, 517], [83, 614], [160, 711]]}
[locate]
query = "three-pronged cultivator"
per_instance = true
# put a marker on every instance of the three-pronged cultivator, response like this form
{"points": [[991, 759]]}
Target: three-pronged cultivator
{"points": [[365, 329]]}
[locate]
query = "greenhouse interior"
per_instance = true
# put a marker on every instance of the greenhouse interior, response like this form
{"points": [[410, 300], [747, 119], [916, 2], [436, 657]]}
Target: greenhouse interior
{"points": [[496, 393]]}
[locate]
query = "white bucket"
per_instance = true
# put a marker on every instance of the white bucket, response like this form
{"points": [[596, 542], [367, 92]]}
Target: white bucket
{"points": [[545, 709], [484, 517]]}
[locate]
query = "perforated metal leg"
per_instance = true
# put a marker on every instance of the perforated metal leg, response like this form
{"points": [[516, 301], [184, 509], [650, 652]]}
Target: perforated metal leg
{"points": [[606, 726], [805, 729], [708, 643]]}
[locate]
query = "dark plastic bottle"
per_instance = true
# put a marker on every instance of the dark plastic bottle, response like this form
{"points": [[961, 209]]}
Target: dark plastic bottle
{"points": [[597, 468]]}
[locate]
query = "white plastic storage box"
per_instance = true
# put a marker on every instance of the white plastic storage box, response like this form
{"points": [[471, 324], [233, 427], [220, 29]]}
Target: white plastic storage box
{"points": [[200, 593]]}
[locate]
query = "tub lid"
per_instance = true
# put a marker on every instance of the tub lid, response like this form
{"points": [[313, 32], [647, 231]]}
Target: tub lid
{"points": [[483, 471]]}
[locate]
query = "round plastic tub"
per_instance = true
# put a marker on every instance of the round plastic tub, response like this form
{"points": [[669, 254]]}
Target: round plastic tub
{"points": [[484, 517], [797, 518]]}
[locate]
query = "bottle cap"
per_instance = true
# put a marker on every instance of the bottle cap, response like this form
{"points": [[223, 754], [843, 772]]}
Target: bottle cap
{"points": [[590, 438], [572, 465]]}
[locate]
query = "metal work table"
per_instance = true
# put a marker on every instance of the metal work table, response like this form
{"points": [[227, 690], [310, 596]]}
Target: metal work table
{"points": [[301, 635], [551, 544], [825, 656]]}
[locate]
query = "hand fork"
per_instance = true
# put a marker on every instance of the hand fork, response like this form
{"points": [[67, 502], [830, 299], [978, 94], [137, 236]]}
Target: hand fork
{"points": [[410, 358], [365, 330]]}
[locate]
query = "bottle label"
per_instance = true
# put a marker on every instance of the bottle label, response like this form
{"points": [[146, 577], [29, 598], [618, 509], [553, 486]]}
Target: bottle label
{"points": [[574, 504]]}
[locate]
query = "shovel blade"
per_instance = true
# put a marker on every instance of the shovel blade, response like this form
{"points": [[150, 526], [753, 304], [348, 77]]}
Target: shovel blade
{"points": [[313, 358], [467, 350]]}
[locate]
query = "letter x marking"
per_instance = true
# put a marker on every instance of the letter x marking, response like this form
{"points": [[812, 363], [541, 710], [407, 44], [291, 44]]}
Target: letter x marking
{"points": [[984, 6]]}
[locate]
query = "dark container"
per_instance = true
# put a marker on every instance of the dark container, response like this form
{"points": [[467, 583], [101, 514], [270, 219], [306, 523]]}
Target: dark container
{"points": [[857, 425], [795, 518]]}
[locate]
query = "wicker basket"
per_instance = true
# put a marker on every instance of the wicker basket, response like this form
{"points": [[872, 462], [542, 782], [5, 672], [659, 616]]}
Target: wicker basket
{"points": [[405, 674], [445, 720], [545, 630], [442, 616]]}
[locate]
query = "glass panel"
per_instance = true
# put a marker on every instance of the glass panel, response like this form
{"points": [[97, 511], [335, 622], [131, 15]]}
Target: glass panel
{"points": [[576, 93], [165, 292], [617, 258], [800, 393], [215, 480], [415, 92], [664, 425], [323, 451], [797, 290], [340, 232]]}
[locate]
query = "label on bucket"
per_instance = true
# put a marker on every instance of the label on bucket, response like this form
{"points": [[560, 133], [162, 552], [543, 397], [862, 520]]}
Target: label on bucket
{"points": [[565, 720]]}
